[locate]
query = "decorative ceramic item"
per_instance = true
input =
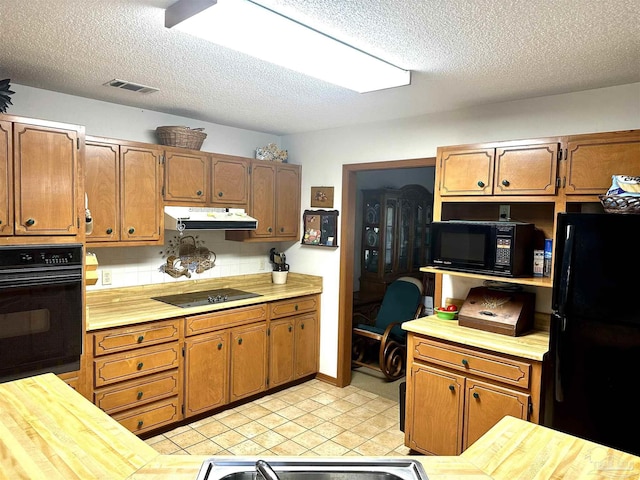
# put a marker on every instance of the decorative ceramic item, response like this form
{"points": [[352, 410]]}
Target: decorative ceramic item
{"points": [[185, 255], [4, 95], [272, 153]]}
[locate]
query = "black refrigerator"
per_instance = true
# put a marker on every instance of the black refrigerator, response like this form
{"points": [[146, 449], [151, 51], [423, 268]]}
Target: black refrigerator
{"points": [[595, 330]]}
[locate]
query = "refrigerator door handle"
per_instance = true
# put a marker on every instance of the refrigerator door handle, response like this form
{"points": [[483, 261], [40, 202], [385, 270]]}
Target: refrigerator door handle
{"points": [[565, 274], [557, 324]]}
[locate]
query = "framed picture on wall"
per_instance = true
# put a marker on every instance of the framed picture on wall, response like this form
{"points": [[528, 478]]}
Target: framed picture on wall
{"points": [[320, 228], [322, 197]]}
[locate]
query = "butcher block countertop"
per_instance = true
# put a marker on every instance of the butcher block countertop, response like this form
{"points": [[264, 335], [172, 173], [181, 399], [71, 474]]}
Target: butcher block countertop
{"points": [[48, 431], [532, 345], [114, 307]]}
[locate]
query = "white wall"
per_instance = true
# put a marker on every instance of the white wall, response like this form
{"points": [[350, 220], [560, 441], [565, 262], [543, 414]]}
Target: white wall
{"points": [[322, 155]]}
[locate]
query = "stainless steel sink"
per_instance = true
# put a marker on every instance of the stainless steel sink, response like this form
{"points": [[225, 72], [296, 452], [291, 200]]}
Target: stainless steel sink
{"points": [[313, 468]]}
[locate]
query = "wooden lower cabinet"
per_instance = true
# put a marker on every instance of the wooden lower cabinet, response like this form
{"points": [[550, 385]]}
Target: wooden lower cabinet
{"points": [[248, 361], [455, 394]]}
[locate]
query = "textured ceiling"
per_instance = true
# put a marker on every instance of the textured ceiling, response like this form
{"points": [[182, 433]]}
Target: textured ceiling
{"points": [[461, 52]]}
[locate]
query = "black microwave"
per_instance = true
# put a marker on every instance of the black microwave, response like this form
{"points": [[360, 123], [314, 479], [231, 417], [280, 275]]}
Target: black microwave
{"points": [[495, 248]]}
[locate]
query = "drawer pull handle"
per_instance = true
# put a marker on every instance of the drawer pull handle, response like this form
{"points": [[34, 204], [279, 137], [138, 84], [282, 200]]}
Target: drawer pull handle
{"points": [[140, 338], [296, 307], [240, 341], [452, 388], [220, 346], [109, 231], [140, 423], [465, 362], [476, 395], [140, 365], [139, 395], [480, 183], [505, 183]]}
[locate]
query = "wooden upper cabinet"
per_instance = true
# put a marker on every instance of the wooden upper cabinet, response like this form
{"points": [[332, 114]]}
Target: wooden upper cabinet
{"points": [[230, 181], [263, 193], [287, 200], [526, 170], [140, 199], [6, 179], [102, 184], [505, 170], [593, 159], [46, 181], [186, 177], [466, 172], [124, 191]]}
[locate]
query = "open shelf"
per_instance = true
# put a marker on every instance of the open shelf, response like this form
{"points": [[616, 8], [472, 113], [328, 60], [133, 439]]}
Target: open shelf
{"points": [[544, 282]]}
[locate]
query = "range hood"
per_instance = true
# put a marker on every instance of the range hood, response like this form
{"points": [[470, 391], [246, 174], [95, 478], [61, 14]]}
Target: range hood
{"points": [[205, 218]]}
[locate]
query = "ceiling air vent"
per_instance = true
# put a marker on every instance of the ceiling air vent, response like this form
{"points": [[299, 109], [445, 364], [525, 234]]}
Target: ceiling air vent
{"points": [[133, 87]]}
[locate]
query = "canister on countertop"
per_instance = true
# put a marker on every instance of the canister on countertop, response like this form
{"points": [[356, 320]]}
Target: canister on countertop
{"points": [[538, 263], [548, 253]]}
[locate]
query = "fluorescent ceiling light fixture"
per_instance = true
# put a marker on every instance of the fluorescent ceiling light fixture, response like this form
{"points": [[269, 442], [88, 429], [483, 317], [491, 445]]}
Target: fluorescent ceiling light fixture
{"points": [[247, 27]]}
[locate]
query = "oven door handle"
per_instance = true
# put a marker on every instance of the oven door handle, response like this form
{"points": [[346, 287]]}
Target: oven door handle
{"points": [[40, 280]]}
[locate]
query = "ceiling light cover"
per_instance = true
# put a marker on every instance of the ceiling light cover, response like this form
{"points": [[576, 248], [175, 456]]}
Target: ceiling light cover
{"points": [[247, 27]]}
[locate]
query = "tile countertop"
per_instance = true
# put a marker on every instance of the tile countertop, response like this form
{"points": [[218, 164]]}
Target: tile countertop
{"points": [[49, 431], [115, 307], [533, 345]]}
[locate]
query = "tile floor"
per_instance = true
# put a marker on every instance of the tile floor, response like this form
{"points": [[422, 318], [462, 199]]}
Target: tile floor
{"points": [[313, 418]]}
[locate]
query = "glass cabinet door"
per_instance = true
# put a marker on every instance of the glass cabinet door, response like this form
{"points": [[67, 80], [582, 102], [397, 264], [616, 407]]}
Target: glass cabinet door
{"points": [[389, 234], [371, 235]]}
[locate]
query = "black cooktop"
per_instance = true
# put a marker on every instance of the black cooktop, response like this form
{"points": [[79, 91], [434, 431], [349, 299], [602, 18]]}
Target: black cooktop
{"points": [[205, 297]]}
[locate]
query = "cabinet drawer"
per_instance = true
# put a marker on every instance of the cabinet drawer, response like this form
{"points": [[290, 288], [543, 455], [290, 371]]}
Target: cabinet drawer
{"points": [[120, 339], [148, 417], [293, 306], [137, 392], [115, 368], [497, 368], [208, 322]]}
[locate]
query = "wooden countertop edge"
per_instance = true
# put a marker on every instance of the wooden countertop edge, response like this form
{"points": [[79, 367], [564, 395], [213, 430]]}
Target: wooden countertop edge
{"points": [[534, 345]]}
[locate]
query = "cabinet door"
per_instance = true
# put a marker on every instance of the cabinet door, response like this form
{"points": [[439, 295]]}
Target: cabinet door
{"points": [[466, 172], [434, 421], [102, 185], [230, 185], [6, 179], [593, 159], [306, 345], [206, 372], [486, 405], [248, 361], [287, 201], [281, 352], [263, 191], [526, 170], [45, 167], [186, 177], [141, 200]]}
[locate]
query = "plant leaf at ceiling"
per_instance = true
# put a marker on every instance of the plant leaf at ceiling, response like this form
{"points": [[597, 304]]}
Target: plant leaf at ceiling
{"points": [[4, 95]]}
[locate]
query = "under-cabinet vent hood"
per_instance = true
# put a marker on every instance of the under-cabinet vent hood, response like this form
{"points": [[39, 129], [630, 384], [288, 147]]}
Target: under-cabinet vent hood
{"points": [[204, 218]]}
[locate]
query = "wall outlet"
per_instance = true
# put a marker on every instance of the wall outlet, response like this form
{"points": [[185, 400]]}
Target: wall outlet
{"points": [[505, 213], [106, 277]]}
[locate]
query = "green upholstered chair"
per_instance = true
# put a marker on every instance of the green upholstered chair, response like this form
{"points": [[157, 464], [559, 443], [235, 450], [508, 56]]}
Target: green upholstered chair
{"points": [[383, 335]]}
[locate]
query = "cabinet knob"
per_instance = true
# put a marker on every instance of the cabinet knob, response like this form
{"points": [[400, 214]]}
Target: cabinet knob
{"points": [[269, 229], [296, 307], [140, 365], [240, 341], [452, 388], [281, 229], [140, 423], [476, 395], [140, 338], [0, 222], [290, 328], [30, 222], [505, 183], [131, 230], [465, 362], [220, 346], [199, 192], [220, 194], [139, 396], [109, 231], [302, 326], [480, 183]]}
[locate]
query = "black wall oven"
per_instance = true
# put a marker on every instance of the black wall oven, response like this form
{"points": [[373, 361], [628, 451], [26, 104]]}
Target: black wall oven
{"points": [[40, 309]]}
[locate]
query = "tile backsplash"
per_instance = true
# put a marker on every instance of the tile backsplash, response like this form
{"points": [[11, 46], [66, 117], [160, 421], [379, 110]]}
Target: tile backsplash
{"points": [[131, 266]]}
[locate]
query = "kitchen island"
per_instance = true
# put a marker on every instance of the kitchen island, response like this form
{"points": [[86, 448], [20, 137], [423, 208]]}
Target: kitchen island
{"points": [[49, 431]]}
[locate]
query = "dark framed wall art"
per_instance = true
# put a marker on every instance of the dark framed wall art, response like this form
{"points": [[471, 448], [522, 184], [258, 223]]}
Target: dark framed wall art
{"points": [[320, 228]]}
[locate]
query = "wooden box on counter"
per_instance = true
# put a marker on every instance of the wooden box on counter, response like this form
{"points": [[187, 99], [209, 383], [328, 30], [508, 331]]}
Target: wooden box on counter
{"points": [[498, 311]]}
